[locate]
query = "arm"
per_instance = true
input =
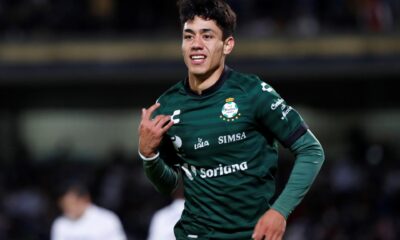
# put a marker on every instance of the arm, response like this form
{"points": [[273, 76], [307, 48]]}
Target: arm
{"points": [[287, 126], [151, 134], [309, 158], [163, 177]]}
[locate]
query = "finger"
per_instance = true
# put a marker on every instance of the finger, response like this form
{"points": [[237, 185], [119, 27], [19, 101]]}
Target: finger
{"points": [[279, 235], [150, 110], [259, 237], [256, 231], [143, 112], [157, 119], [261, 233], [274, 237], [167, 126], [163, 121]]}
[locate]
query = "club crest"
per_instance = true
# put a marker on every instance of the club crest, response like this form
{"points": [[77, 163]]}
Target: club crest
{"points": [[230, 110]]}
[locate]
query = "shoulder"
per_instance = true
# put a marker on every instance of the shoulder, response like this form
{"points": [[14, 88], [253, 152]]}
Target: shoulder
{"points": [[250, 83], [168, 215], [104, 215], [170, 93], [247, 82], [60, 221], [59, 224]]}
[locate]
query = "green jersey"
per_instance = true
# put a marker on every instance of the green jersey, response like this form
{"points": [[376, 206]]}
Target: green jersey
{"points": [[224, 143]]}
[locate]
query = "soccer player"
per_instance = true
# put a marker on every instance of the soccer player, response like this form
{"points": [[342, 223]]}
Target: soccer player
{"points": [[218, 129]]}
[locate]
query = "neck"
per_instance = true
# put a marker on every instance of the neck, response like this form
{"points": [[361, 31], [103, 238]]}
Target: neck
{"points": [[199, 83]]}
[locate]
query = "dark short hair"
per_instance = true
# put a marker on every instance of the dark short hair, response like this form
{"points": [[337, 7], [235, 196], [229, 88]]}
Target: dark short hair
{"points": [[79, 188], [217, 10]]}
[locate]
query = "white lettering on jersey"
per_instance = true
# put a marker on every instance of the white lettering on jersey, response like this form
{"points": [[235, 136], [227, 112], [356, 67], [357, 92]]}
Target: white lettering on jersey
{"points": [[284, 108], [276, 104], [201, 144], [231, 138], [223, 170], [286, 112]]}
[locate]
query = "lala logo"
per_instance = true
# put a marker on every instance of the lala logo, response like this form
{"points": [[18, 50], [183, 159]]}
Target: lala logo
{"points": [[230, 110], [201, 144]]}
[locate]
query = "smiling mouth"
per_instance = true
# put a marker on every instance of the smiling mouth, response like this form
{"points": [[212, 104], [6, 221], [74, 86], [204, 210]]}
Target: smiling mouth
{"points": [[198, 58]]}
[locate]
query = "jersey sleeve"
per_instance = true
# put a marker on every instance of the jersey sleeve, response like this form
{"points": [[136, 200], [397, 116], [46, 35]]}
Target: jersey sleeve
{"points": [[309, 159], [285, 123], [275, 115]]}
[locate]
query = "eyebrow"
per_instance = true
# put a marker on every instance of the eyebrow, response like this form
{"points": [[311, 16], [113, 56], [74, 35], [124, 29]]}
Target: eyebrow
{"points": [[204, 30]]}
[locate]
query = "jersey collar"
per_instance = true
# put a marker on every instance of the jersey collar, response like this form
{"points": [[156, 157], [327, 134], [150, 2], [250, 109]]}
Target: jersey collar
{"points": [[225, 74]]}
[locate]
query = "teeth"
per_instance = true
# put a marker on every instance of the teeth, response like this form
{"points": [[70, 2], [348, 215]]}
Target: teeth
{"points": [[197, 57]]}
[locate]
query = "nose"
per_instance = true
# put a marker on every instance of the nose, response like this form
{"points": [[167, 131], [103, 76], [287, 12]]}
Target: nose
{"points": [[197, 43]]}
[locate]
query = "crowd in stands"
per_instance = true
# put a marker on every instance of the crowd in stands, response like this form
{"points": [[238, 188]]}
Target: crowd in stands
{"points": [[258, 18]]}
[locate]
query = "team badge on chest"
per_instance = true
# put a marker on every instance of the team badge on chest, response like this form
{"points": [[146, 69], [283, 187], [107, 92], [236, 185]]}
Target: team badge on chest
{"points": [[230, 110]]}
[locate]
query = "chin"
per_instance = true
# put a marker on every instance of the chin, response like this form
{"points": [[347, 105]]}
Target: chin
{"points": [[198, 70]]}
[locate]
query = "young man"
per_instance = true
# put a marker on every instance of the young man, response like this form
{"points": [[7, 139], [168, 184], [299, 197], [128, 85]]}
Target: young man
{"points": [[82, 219], [219, 129]]}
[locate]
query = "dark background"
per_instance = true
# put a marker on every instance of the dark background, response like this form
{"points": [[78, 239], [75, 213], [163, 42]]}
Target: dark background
{"points": [[75, 73]]}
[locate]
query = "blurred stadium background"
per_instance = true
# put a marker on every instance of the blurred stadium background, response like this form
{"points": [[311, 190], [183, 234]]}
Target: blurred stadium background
{"points": [[75, 73]]}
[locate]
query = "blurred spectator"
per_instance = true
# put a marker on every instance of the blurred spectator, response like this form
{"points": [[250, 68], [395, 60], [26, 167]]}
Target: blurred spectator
{"points": [[163, 221], [82, 219]]}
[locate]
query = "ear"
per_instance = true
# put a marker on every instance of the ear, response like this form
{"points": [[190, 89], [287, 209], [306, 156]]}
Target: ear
{"points": [[229, 43]]}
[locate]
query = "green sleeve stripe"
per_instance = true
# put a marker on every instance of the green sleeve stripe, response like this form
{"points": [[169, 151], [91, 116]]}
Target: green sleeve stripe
{"points": [[296, 135]]}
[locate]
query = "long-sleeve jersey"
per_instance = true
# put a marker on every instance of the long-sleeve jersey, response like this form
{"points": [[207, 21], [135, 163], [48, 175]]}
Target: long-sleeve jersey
{"points": [[224, 144]]}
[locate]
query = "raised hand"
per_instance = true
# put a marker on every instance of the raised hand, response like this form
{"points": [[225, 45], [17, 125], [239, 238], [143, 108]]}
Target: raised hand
{"points": [[151, 131]]}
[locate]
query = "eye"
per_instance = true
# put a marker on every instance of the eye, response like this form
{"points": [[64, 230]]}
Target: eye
{"points": [[207, 36], [187, 37]]}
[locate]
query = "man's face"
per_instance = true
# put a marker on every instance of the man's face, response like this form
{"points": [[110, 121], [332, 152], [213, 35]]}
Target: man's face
{"points": [[73, 206], [203, 49]]}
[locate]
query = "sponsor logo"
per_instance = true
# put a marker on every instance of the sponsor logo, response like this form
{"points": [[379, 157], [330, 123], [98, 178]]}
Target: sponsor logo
{"points": [[286, 112], [231, 138], [174, 118], [276, 104], [201, 144], [265, 87], [189, 170], [230, 110], [223, 170], [177, 143], [284, 108]]}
